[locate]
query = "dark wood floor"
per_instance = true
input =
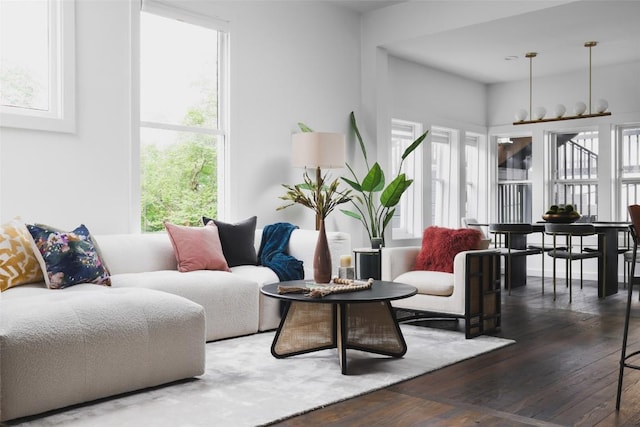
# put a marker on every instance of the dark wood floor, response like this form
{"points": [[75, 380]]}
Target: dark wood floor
{"points": [[563, 370]]}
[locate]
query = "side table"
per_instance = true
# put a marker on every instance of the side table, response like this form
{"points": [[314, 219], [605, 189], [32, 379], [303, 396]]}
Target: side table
{"points": [[367, 263]]}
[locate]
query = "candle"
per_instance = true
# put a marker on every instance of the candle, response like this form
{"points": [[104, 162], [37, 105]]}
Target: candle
{"points": [[345, 261]]}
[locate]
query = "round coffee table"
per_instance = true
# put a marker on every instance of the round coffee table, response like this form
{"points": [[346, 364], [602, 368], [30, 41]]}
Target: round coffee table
{"points": [[361, 320]]}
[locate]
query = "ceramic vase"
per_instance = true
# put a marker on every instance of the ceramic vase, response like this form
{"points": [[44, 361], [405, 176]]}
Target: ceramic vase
{"points": [[322, 258]]}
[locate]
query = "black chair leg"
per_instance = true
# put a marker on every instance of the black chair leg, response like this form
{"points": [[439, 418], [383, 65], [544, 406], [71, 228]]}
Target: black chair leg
{"points": [[623, 351]]}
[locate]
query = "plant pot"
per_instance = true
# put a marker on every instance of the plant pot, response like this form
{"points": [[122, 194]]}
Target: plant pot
{"points": [[322, 258], [377, 242]]}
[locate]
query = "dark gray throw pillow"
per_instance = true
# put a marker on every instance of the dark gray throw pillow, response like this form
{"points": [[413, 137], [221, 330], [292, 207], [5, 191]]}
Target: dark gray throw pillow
{"points": [[237, 240]]}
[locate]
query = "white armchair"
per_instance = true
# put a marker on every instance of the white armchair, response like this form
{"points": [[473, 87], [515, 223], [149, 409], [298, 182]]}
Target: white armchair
{"points": [[471, 292]]}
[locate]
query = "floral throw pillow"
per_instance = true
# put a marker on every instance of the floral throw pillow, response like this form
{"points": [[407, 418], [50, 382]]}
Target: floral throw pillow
{"points": [[68, 258]]}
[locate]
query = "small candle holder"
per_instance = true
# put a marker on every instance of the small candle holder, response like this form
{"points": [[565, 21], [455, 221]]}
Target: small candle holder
{"points": [[347, 273]]}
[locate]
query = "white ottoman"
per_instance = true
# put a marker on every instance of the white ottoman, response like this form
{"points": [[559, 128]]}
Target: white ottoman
{"points": [[61, 347]]}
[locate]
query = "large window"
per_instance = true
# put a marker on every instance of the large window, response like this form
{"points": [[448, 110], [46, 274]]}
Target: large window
{"points": [[407, 219], [37, 67], [514, 181], [629, 144], [441, 139], [574, 172], [471, 196], [182, 121]]}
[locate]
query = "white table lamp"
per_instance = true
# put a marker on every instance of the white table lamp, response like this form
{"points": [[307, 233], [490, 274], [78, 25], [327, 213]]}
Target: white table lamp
{"points": [[318, 150]]}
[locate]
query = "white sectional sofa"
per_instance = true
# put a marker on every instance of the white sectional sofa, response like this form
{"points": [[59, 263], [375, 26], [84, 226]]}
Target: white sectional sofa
{"points": [[60, 347]]}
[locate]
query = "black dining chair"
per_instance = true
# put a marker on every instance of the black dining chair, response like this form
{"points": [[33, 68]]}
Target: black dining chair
{"points": [[629, 360], [570, 251], [507, 243], [628, 258], [543, 248]]}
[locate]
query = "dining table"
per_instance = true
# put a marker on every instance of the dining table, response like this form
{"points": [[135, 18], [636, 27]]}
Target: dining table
{"points": [[607, 233]]}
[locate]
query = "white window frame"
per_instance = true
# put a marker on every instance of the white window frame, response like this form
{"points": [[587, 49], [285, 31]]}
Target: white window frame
{"points": [[441, 139], [472, 176], [623, 214], [222, 132], [60, 117], [411, 201], [554, 180]]}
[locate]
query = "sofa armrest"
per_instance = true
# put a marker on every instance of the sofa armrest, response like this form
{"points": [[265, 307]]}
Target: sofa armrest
{"points": [[395, 261], [460, 265], [302, 246]]}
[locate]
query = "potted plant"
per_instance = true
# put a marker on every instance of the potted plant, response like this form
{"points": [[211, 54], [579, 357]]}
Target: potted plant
{"points": [[375, 204], [322, 199]]}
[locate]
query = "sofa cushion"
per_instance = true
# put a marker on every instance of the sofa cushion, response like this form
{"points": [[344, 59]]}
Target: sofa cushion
{"points": [[66, 347], [230, 301], [197, 248], [18, 263], [153, 252], [429, 282], [68, 258], [237, 240], [440, 246]]}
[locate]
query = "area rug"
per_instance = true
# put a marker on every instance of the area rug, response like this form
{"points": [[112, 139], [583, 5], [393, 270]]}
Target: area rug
{"points": [[244, 385]]}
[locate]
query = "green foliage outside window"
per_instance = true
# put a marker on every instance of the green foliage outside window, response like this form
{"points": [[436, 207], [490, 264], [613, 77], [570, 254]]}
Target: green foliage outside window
{"points": [[180, 181]]}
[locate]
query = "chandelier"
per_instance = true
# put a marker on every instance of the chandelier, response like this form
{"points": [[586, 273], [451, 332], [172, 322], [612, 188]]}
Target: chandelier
{"points": [[581, 110]]}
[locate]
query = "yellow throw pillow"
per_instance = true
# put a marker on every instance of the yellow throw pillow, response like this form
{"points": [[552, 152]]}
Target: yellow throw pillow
{"points": [[18, 264]]}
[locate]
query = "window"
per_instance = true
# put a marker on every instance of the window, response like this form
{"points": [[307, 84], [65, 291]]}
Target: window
{"points": [[37, 67], [472, 176], [407, 220], [440, 166], [574, 169], [514, 184], [629, 144], [182, 117]]}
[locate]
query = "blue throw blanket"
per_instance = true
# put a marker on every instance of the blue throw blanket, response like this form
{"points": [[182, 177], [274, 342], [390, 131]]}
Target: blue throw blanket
{"points": [[273, 252]]}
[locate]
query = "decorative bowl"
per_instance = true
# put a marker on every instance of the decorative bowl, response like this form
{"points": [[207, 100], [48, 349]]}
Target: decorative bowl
{"points": [[561, 218]]}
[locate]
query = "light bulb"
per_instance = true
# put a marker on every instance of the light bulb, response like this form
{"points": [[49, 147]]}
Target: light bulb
{"points": [[521, 115], [539, 113], [601, 105], [559, 111], [580, 108]]}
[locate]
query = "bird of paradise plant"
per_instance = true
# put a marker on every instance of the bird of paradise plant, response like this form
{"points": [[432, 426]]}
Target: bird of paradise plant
{"points": [[375, 204]]}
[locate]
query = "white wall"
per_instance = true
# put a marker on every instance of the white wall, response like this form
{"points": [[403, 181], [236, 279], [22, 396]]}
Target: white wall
{"points": [[290, 62], [433, 97], [66, 179]]}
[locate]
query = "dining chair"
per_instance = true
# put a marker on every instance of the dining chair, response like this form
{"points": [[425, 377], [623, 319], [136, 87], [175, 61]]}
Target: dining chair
{"points": [[469, 222], [568, 251], [628, 258], [543, 249], [509, 246], [629, 360]]}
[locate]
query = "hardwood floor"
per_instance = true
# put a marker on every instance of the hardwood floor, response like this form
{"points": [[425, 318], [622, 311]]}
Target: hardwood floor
{"points": [[563, 370]]}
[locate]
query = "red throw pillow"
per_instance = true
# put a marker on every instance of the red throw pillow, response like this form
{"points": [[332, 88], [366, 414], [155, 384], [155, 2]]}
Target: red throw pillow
{"points": [[440, 246]]}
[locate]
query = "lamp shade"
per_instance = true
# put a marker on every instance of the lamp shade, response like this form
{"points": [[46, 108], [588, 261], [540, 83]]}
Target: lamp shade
{"points": [[318, 149]]}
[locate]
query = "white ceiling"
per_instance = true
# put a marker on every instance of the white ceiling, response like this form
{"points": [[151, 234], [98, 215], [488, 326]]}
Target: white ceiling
{"points": [[557, 34], [363, 6]]}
